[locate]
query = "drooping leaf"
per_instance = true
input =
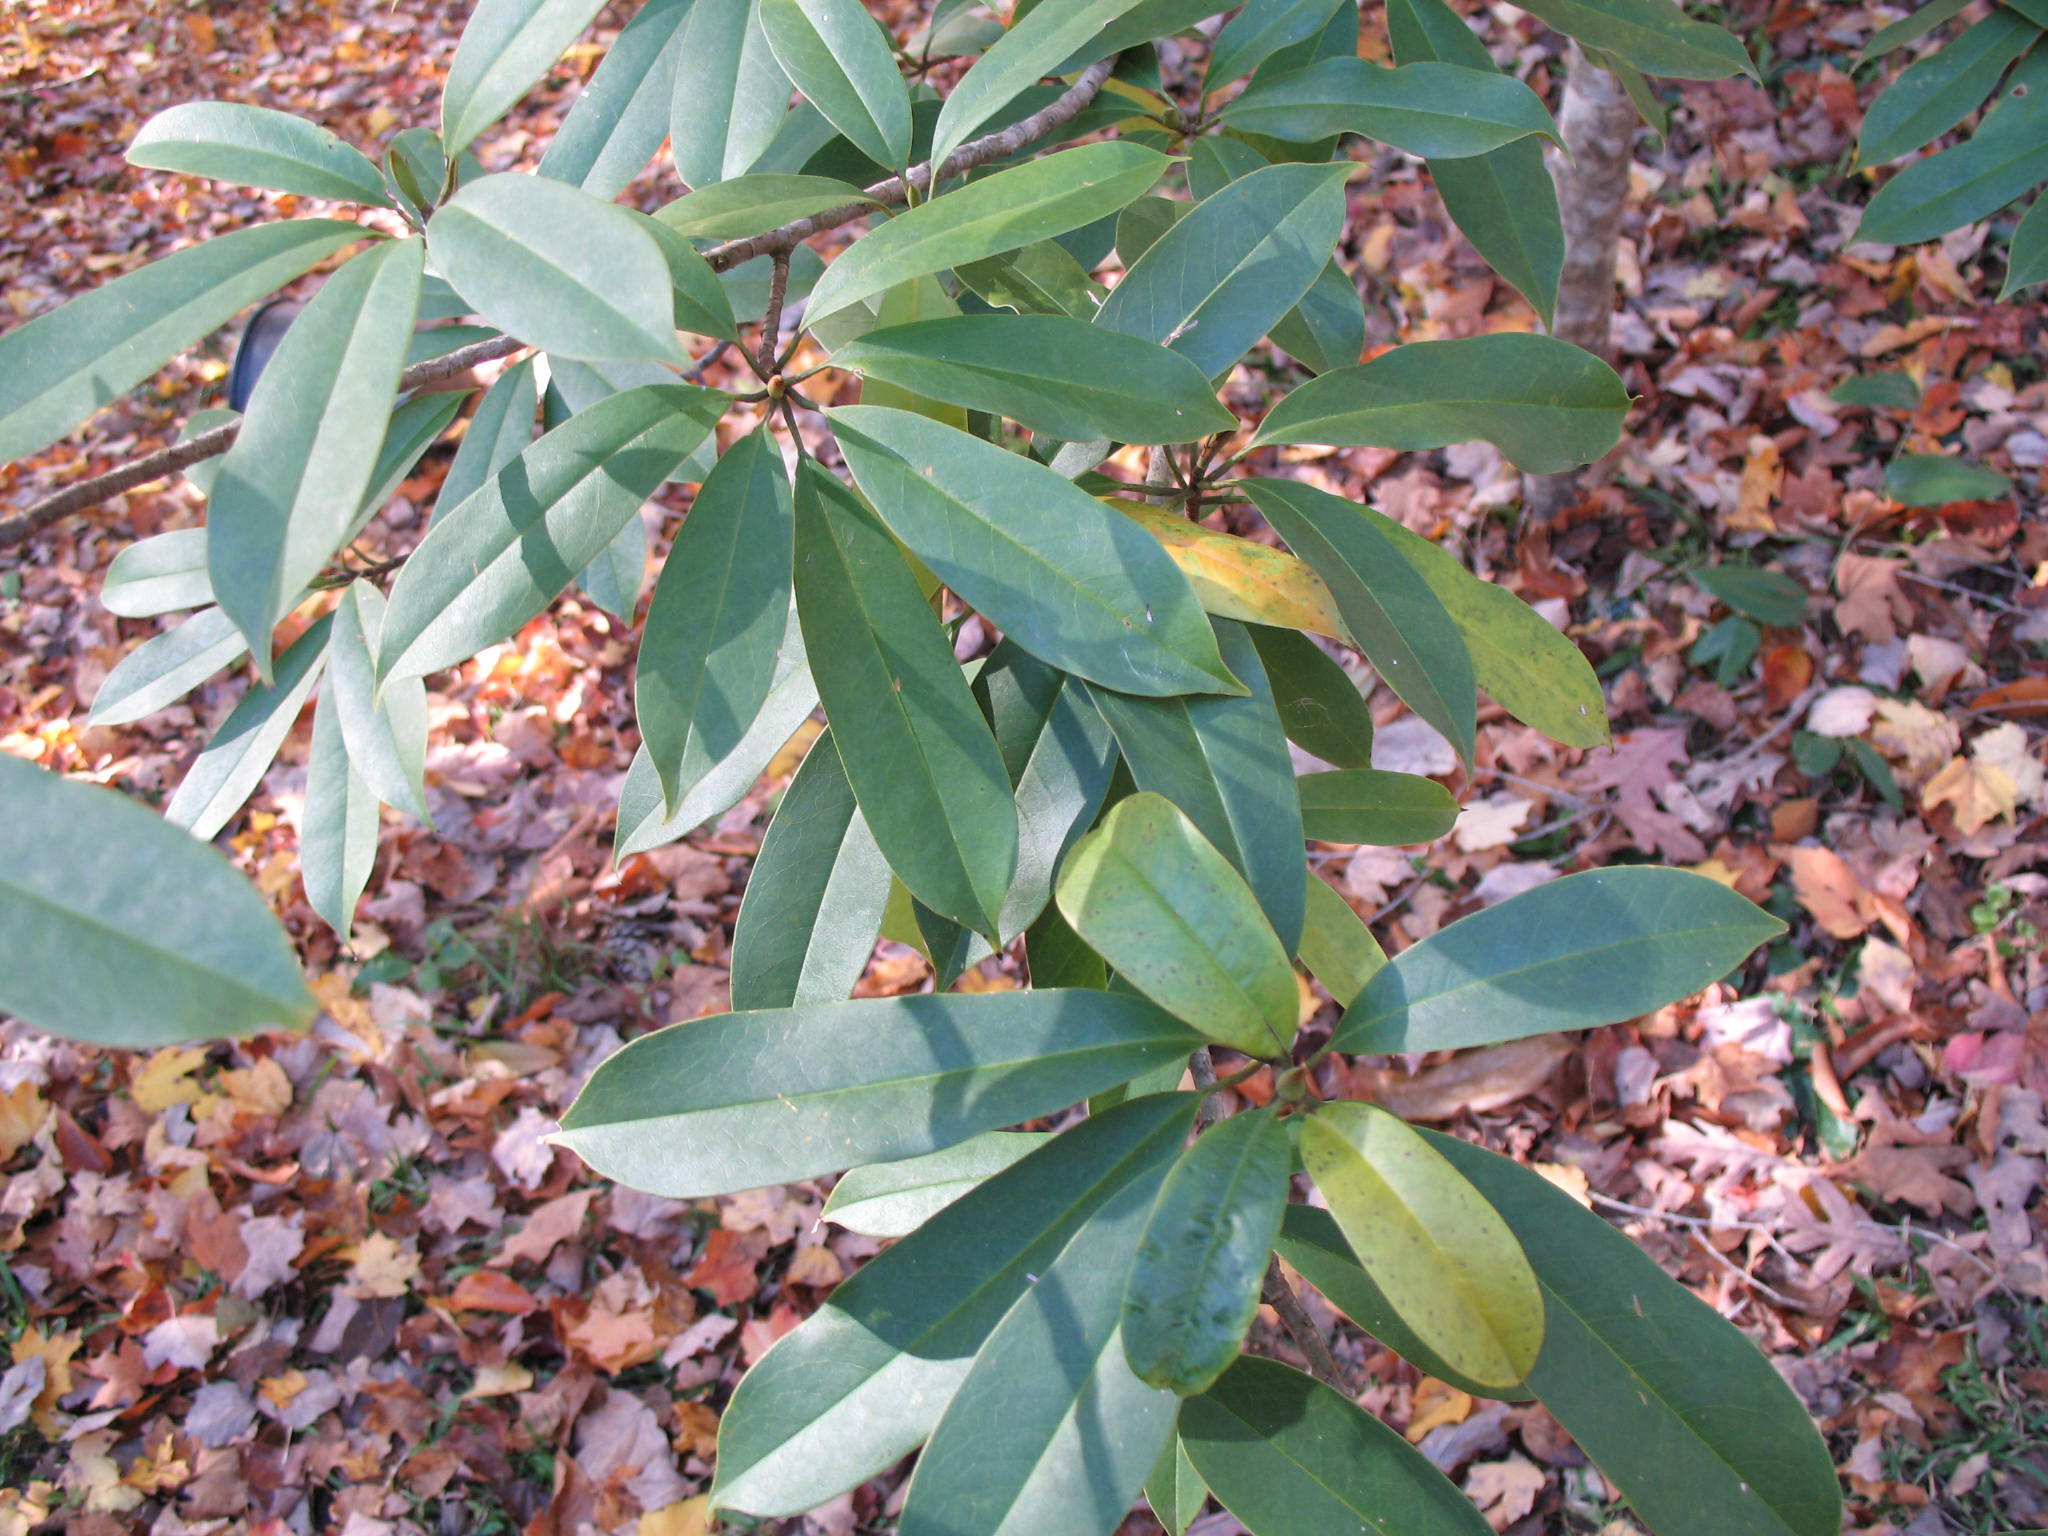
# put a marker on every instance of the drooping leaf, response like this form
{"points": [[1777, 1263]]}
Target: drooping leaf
{"points": [[558, 268], [1175, 1490], [289, 489], [998, 213], [506, 46], [1659, 39], [1915, 24], [338, 840], [138, 935], [1336, 946], [835, 54], [815, 897], [1261, 30], [2004, 158], [414, 427], [164, 669], [1931, 480], [233, 763], [1366, 805], [59, 368], [1931, 95], [1143, 23], [1443, 1258], [492, 563], [1546, 404], [385, 732], [1439, 110], [1239, 578], [1587, 950], [730, 96], [622, 115], [699, 302], [747, 205], [861, 1383], [1291, 1457], [256, 147], [1194, 1287], [498, 432], [895, 1199], [1075, 584], [163, 573], [1030, 49], [1224, 761], [1321, 708]]}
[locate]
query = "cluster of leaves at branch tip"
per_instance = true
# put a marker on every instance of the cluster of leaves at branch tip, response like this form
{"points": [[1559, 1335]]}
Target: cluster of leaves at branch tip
{"points": [[1061, 1322]]}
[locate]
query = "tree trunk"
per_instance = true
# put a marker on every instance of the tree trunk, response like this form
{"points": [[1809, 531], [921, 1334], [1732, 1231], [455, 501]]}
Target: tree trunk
{"points": [[1599, 123]]}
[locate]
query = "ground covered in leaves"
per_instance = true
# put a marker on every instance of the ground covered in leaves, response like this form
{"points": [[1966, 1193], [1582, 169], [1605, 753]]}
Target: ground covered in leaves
{"points": [[338, 1283]]}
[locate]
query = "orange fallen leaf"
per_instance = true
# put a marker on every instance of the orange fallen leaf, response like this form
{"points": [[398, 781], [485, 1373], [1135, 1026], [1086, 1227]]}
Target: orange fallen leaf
{"points": [[490, 1290]]}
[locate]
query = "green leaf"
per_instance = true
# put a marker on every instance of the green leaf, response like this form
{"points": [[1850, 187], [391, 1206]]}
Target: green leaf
{"points": [[1326, 330], [166, 668], [233, 763], [749, 204], [1321, 708], [1234, 266], [413, 428], [1336, 946], [385, 733], [1443, 1257], [1655, 36], [1587, 950], [498, 432], [338, 840], [622, 114], [1769, 597], [745, 1099], [1932, 480], [1032, 48], [289, 489], [558, 268], [1439, 110], [1155, 899], [1224, 761], [984, 218], [895, 1199], [1878, 391], [699, 301], [920, 758], [1042, 278], [163, 573], [707, 654], [730, 96], [1915, 24], [1546, 404], [1693, 1425], [61, 367], [1933, 94], [256, 147], [2027, 258], [1051, 373], [1140, 225], [815, 898], [1074, 583], [1194, 1287], [1291, 1457], [1261, 30], [506, 46], [861, 1383], [1059, 756], [2007, 155], [1175, 1490], [1365, 805], [1051, 1433], [492, 563], [1240, 578], [1396, 616], [1143, 23], [1056, 957], [138, 936], [835, 54]]}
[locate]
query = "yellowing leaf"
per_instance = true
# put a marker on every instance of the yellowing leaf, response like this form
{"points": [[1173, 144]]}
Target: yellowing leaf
{"points": [[260, 1090], [22, 1113], [382, 1267], [1979, 792], [500, 1381], [687, 1517], [1240, 579], [166, 1078]]}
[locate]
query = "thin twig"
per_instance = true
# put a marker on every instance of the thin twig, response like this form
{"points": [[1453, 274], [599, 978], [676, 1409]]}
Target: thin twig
{"points": [[1279, 1295], [771, 322]]}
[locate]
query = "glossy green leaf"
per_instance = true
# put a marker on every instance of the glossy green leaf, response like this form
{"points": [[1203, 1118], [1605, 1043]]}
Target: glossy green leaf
{"points": [[163, 573], [1933, 94], [1391, 609], [1434, 109], [1074, 583], [233, 763], [984, 218], [622, 113], [1693, 1425], [338, 837], [60, 367], [1175, 1490], [749, 204], [289, 489], [815, 897], [1051, 373], [558, 268], [1366, 805], [1056, 957], [1336, 946], [895, 1199], [1546, 404], [1042, 278], [493, 562], [385, 732], [1443, 1257], [1239, 261], [1587, 950], [923, 766], [164, 669], [1224, 761], [1769, 597], [1878, 391], [835, 54], [1194, 1286], [707, 653], [861, 1383], [138, 936], [1655, 36], [1030, 49], [1051, 1433], [1261, 30], [1932, 480], [2027, 257], [1140, 225], [256, 147], [1321, 708], [683, 1111], [2003, 159], [1291, 1457], [499, 431], [506, 47], [730, 96]]}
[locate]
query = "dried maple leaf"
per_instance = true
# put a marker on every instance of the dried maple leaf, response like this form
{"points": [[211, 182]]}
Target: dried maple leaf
{"points": [[550, 1224], [1871, 605], [1638, 764], [1829, 889]]}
